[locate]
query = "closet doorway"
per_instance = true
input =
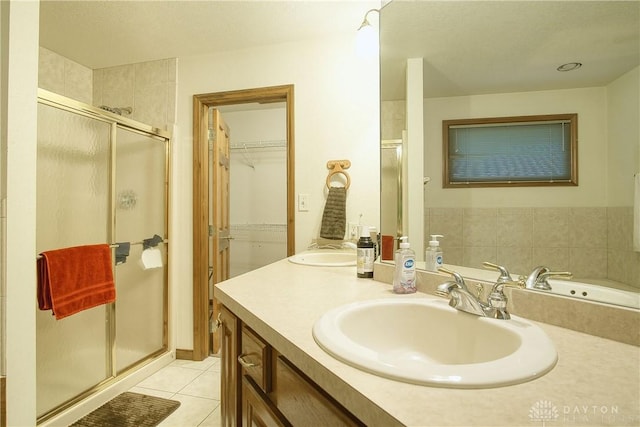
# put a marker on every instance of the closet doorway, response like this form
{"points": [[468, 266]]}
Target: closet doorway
{"points": [[215, 235]]}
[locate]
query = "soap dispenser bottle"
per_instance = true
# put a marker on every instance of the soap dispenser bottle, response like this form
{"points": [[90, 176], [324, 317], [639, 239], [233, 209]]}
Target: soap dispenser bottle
{"points": [[404, 277], [433, 254], [365, 253]]}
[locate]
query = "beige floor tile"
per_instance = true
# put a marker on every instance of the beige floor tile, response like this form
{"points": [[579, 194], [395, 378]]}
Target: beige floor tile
{"points": [[191, 413], [170, 378], [152, 392], [206, 385], [213, 420], [202, 365]]}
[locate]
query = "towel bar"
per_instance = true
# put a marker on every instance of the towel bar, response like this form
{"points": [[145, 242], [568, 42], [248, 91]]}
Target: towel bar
{"points": [[115, 245]]}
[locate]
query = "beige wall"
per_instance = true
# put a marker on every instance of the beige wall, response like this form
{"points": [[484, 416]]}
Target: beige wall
{"points": [[589, 104], [336, 117], [623, 111], [20, 82]]}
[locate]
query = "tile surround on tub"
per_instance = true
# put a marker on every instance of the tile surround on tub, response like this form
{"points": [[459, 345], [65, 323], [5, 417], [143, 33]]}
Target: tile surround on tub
{"points": [[591, 242]]}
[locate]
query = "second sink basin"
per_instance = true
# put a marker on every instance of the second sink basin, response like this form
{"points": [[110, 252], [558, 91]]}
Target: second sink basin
{"points": [[424, 341], [325, 258]]}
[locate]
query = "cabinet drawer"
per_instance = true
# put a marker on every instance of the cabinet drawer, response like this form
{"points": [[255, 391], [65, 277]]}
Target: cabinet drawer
{"points": [[255, 359], [257, 409], [303, 403]]}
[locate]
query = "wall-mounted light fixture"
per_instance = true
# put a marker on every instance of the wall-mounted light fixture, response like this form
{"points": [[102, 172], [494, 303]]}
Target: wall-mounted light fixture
{"points": [[367, 44], [365, 21]]}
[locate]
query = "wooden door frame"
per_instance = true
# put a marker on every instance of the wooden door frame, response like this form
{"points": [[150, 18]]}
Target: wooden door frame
{"points": [[201, 105]]}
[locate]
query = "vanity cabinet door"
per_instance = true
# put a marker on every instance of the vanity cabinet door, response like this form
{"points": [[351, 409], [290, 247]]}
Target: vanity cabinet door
{"points": [[230, 385], [303, 403], [255, 359], [257, 409]]}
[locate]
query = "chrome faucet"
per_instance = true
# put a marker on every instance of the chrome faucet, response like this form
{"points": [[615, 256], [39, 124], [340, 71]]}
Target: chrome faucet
{"points": [[537, 279], [461, 299]]}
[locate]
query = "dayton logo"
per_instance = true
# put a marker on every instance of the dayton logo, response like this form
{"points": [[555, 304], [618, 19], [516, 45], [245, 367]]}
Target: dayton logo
{"points": [[543, 410]]}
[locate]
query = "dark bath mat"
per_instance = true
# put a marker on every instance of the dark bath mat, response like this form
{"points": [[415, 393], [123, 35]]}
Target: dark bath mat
{"points": [[129, 410]]}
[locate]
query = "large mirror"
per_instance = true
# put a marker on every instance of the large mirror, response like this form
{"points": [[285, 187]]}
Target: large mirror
{"points": [[487, 59]]}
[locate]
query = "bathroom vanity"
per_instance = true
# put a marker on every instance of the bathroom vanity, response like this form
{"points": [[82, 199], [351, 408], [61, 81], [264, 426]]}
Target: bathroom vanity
{"points": [[265, 388], [274, 373]]}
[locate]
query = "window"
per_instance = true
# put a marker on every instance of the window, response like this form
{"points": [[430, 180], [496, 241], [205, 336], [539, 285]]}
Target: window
{"points": [[511, 151]]}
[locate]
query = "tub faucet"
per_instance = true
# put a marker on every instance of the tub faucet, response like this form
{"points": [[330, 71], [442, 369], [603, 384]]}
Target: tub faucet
{"points": [[461, 299], [533, 277], [537, 279]]}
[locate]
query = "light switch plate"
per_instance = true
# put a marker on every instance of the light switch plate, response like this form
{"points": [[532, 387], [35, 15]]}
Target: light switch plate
{"points": [[303, 202]]}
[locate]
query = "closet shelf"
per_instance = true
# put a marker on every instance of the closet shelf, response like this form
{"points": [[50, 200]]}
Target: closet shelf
{"points": [[251, 145]]}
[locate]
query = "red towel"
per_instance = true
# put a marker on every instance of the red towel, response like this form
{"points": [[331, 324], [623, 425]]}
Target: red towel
{"points": [[75, 279]]}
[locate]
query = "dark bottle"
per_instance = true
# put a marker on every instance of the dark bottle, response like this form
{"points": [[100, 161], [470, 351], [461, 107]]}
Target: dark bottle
{"points": [[365, 253]]}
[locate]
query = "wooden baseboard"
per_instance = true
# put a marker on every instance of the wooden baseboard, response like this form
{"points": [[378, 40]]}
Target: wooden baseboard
{"points": [[184, 354], [3, 401]]}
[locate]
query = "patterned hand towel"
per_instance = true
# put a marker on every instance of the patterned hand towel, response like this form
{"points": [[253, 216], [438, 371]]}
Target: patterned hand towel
{"points": [[75, 279], [334, 218]]}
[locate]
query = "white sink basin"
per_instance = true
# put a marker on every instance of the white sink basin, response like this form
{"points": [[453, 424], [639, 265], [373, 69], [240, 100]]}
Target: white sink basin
{"points": [[424, 341], [325, 258]]}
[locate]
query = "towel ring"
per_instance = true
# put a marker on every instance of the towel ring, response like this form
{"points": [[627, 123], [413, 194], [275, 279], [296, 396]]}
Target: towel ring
{"points": [[338, 166]]}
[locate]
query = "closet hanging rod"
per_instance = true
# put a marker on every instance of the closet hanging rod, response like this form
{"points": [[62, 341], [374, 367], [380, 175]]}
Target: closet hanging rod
{"points": [[116, 245], [280, 143]]}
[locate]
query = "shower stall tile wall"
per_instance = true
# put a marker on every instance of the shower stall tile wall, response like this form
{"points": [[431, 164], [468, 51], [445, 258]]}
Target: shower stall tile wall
{"points": [[149, 88], [64, 76]]}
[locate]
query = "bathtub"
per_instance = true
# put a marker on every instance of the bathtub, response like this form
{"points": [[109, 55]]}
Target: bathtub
{"points": [[606, 294]]}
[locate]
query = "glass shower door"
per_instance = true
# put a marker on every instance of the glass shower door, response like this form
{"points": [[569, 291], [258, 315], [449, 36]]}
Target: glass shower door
{"points": [[140, 213], [73, 208], [99, 180]]}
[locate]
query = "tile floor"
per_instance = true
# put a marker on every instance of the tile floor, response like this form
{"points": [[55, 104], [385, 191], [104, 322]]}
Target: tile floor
{"points": [[195, 384]]}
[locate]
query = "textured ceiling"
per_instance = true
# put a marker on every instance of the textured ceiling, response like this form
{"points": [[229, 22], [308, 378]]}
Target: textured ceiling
{"points": [[475, 47], [99, 33], [469, 47]]}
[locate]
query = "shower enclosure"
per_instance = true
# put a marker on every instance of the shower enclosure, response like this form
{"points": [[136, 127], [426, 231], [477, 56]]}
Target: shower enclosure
{"points": [[101, 178]]}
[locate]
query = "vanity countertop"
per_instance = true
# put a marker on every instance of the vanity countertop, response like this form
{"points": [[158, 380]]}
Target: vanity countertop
{"points": [[595, 382]]}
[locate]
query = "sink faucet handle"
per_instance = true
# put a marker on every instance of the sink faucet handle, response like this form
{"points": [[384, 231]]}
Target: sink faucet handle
{"points": [[458, 278], [504, 273]]}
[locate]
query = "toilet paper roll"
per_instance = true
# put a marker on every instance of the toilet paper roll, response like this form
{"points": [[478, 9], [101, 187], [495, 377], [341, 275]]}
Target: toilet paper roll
{"points": [[151, 258]]}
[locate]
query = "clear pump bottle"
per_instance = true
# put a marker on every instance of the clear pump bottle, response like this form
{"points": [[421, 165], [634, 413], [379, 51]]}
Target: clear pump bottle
{"points": [[433, 254], [404, 277]]}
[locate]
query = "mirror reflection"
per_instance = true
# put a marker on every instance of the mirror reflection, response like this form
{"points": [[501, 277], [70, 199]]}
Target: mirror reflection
{"points": [[503, 59]]}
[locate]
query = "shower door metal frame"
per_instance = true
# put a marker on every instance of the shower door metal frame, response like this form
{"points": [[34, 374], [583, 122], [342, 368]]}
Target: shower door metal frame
{"points": [[116, 121]]}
